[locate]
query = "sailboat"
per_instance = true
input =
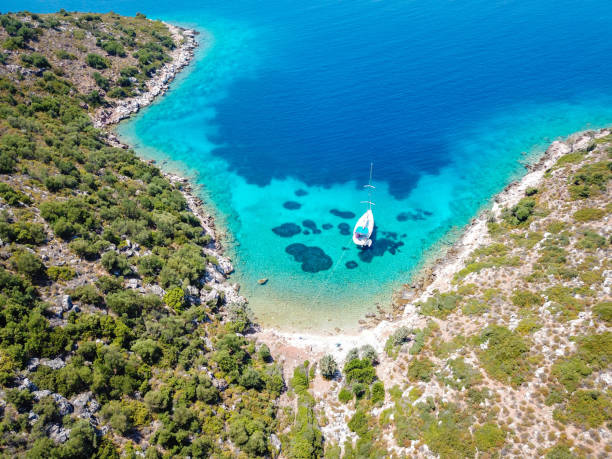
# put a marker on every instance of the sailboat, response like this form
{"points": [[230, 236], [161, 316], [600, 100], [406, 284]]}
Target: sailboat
{"points": [[365, 225]]}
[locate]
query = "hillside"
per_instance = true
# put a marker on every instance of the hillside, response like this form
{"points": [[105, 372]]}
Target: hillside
{"points": [[116, 333]]}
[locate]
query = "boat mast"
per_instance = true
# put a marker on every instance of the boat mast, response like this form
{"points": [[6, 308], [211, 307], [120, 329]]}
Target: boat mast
{"points": [[370, 188]]}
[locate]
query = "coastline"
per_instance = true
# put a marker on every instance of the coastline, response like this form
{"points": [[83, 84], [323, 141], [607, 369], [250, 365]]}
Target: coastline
{"points": [[157, 86], [435, 274]]}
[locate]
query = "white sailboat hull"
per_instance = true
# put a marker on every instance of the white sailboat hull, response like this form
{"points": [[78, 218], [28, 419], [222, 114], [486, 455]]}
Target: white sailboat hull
{"points": [[363, 229]]}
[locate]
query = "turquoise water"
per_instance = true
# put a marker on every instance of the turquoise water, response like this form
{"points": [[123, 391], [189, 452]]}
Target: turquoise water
{"points": [[288, 103]]}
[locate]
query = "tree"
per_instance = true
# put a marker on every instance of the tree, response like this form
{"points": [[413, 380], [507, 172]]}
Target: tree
{"points": [[115, 263], [175, 299], [328, 366], [148, 350], [29, 265]]}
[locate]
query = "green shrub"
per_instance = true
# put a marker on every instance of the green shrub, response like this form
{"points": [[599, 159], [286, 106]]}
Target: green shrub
{"points": [[175, 298], [113, 48], [489, 437], [378, 392], [115, 263], [571, 372], [96, 61], [420, 369], [87, 294], [591, 240], [588, 214], [439, 305], [328, 366], [521, 212], [264, 353], [358, 423], [589, 409], [505, 355], [525, 298], [359, 371], [102, 82], [345, 395], [560, 452], [126, 302], [35, 60], [603, 311], [29, 264]]}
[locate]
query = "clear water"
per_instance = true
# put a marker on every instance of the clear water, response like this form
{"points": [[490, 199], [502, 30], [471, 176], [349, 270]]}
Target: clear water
{"points": [[288, 103]]}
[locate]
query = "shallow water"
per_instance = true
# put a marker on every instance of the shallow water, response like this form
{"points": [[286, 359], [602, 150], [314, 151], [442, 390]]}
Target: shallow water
{"points": [[289, 102]]}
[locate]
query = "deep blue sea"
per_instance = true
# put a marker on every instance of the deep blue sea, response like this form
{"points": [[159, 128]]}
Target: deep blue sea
{"points": [[288, 103]]}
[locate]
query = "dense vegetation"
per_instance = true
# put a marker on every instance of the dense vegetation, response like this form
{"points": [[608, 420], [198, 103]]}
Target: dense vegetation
{"points": [[108, 344]]}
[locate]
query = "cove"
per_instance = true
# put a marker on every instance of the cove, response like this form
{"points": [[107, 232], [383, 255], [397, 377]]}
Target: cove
{"points": [[287, 103]]}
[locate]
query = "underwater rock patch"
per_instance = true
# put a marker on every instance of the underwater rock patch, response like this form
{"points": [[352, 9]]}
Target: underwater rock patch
{"points": [[342, 213], [301, 192], [292, 205], [312, 226], [313, 259], [379, 248], [345, 229], [327, 226], [414, 215], [287, 230], [351, 264]]}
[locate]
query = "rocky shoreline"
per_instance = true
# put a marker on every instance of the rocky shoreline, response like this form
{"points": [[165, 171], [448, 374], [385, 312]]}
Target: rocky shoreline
{"points": [[181, 57]]}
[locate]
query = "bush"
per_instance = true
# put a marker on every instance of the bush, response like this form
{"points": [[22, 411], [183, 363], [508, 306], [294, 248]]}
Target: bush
{"points": [[35, 60], [420, 369], [359, 371], [525, 298], [87, 294], [148, 350], [126, 302], [345, 395], [505, 356], [328, 366], [439, 305], [102, 82], [115, 263], [358, 423], [588, 214], [571, 372], [29, 265], [96, 61], [175, 299], [489, 437], [521, 212], [589, 409], [603, 311], [368, 352], [378, 392]]}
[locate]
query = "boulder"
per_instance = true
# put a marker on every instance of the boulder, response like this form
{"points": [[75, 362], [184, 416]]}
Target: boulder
{"points": [[54, 364], [57, 433], [66, 303], [63, 404], [132, 283], [40, 394]]}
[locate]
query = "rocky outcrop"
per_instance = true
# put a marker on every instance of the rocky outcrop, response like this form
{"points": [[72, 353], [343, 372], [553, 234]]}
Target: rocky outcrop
{"points": [[158, 85]]}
